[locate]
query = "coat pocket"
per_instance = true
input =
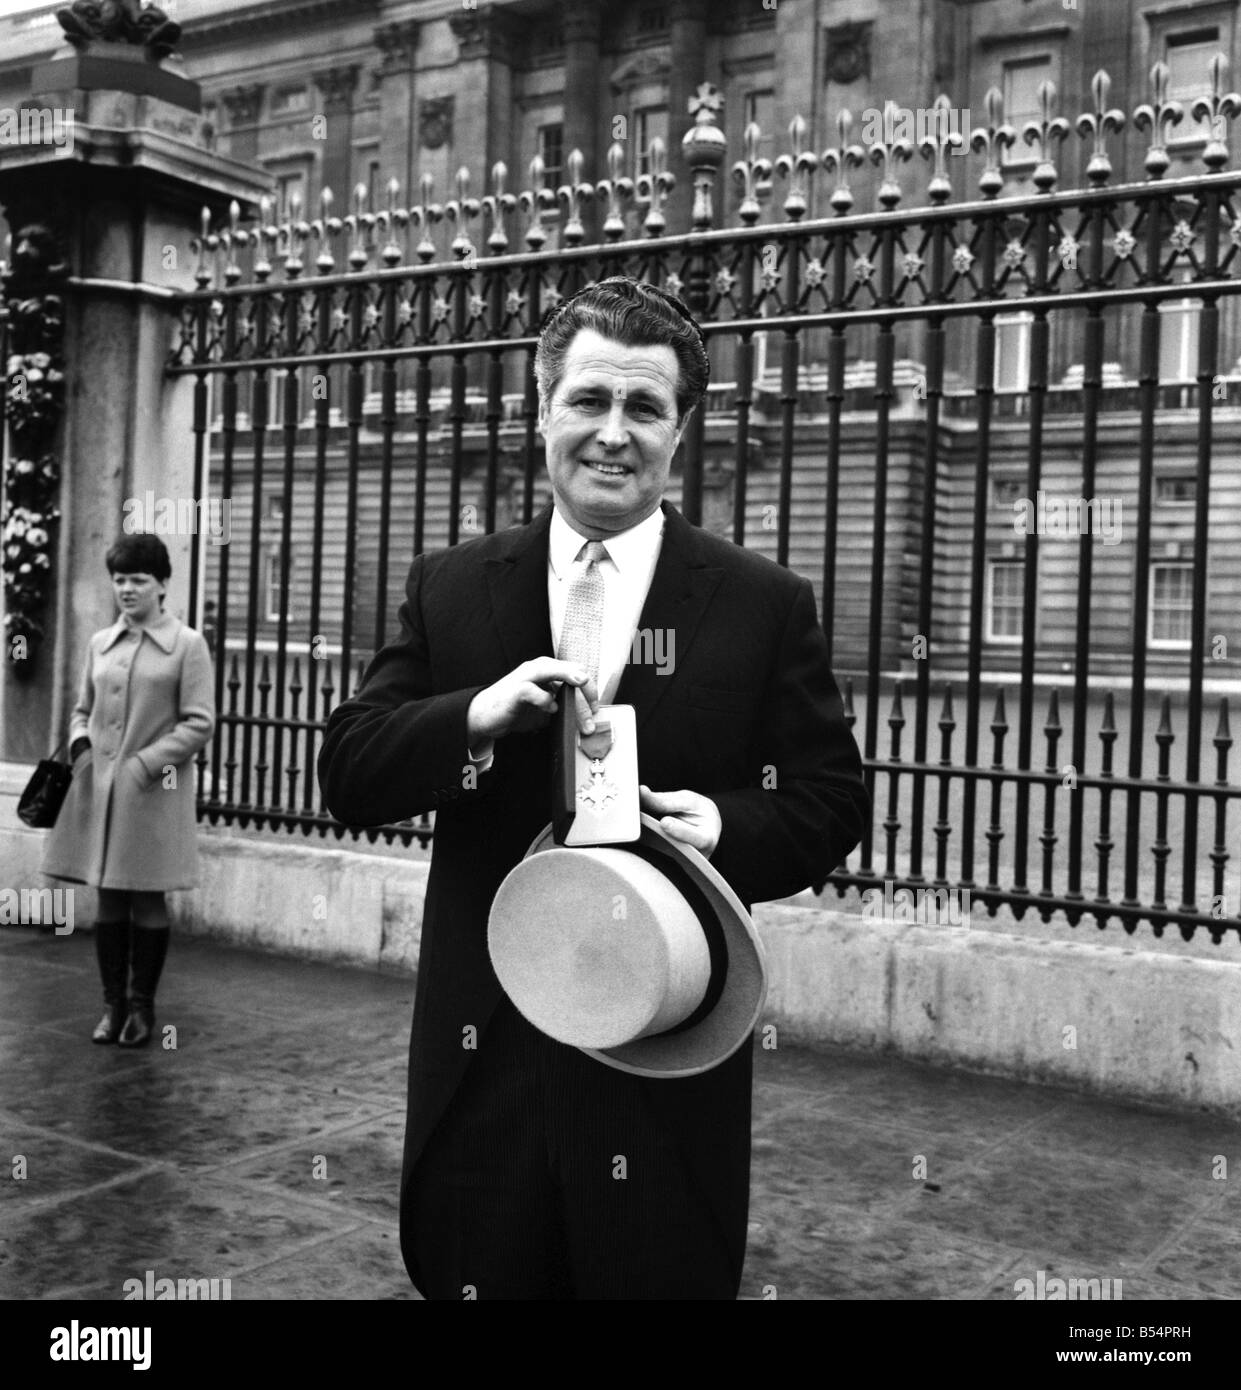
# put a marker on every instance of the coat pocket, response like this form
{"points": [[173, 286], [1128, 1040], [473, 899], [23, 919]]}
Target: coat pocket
{"points": [[714, 699]]}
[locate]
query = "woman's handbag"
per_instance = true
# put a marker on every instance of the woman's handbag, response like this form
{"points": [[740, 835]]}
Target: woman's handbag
{"points": [[45, 792]]}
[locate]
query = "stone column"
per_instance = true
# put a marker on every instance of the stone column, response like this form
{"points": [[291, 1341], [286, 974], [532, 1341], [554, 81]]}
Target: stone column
{"points": [[583, 83], [398, 43], [687, 24], [483, 82], [116, 206], [336, 87]]}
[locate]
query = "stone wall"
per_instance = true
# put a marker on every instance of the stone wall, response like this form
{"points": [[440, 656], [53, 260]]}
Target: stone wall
{"points": [[1099, 1015]]}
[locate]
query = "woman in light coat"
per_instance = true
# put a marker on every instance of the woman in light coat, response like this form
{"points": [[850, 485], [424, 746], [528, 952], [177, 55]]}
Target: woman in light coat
{"points": [[145, 707]]}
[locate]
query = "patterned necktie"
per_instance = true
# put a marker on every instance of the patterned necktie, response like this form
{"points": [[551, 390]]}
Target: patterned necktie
{"points": [[583, 614]]}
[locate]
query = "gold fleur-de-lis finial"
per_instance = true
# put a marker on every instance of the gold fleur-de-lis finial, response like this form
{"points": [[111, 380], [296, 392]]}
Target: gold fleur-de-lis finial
{"points": [[618, 189], [753, 173], [937, 143], [390, 217], [536, 201], [461, 211], [841, 158], [359, 222], [1158, 116], [426, 215], [574, 195], [1097, 124], [1042, 133], [1219, 108], [889, 152], [497, 205], [798, 167], [654, 186], [992, 140], [325, 229], [296, 233]]}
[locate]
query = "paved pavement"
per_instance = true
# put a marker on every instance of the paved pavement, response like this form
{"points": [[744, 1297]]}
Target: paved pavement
{"points": [[265, 1149]]}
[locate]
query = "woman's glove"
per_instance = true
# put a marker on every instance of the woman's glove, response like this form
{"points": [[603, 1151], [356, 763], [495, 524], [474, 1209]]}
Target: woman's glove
{"points": [[79, 745]]}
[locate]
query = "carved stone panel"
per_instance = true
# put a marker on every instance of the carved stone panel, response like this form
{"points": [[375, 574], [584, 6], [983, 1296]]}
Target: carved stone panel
{"points": [[435, 121], [848, 51]]}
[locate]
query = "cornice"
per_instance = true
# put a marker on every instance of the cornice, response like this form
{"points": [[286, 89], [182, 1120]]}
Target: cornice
{"points": [[274, 17], [1036, 33]]}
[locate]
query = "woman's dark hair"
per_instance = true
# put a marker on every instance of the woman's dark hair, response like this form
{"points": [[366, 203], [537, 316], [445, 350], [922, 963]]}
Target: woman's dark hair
{"points": [[632, 313], [139, 554]]}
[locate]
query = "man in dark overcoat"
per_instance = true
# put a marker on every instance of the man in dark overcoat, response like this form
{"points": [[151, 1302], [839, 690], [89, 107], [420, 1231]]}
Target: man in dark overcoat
{"points": [[531, 1169]]}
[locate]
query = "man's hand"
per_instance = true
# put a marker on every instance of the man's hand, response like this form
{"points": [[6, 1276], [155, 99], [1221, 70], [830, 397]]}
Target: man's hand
{"points": [[685, 816], [526, 699]]}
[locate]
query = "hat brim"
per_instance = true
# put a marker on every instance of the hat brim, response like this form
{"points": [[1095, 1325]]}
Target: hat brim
{"points": [[729, 1024]]}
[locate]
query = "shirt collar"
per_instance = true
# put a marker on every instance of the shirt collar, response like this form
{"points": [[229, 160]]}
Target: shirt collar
{"points": [[627, 549], [163, 631]]}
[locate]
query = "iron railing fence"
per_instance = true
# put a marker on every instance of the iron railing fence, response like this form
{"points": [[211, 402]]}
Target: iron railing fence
{"points": [[908, 545]]}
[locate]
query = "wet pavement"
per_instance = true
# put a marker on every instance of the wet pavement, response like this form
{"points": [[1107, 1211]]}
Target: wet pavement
{"points": [[266, 1149]]}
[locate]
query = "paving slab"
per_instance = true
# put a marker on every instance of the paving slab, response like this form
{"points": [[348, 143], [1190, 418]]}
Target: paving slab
{"points": [[261, 1142]]}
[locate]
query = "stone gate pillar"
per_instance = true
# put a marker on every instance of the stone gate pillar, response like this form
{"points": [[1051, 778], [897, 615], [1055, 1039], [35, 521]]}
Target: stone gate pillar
{"points": [[103, 207]]}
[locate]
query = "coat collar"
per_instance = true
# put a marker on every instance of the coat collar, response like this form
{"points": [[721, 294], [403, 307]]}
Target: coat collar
{"points": [[163, 631], [681, 589]]}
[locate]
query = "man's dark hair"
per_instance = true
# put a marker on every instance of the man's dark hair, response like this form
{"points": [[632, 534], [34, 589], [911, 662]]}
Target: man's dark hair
{"points": [[139, 554], [632, 313]]}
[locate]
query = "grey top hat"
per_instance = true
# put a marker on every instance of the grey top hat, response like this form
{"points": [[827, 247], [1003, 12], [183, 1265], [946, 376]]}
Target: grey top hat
{"points": [[640, 955]]}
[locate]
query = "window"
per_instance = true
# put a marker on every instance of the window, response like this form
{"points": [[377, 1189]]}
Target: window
{"points": [[760, 107], [547, 39], [290, 193], [649, 123], [1171, 610], [652, 19], [1189, 77], [376, 196], [1005, 593], [1174, 488], [1012, 351], [289, 100], [1006, 491], [1178, 340], [551, 151], [271, 586], [1021, 104]]}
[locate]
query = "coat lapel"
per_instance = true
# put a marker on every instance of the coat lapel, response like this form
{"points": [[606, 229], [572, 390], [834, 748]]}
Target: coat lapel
{"points": [[517, 580], [681, 589]]}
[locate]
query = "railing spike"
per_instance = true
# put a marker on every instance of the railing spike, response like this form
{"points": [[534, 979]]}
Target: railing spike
{"points": [[1097, 125], [798, 167], [1219, 108], [1223, 730], [992, 140], [842, 157], [937, 144], [888, 153], [618, 190], [753, 173], [1048, 129], [1158, 116]]}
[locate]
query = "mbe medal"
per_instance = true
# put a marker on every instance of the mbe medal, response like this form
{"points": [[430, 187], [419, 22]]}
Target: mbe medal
{"points": [[606, 780]]}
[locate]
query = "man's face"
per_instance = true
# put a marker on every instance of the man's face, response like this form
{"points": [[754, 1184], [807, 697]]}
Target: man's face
{"points": [[611, 429]]}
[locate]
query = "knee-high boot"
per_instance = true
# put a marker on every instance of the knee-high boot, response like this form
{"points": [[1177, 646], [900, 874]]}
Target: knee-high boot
{"points": [[112, 952], [149, 946]]}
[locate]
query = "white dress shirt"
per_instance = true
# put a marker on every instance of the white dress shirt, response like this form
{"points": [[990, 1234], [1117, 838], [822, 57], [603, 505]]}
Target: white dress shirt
{"points": [[627, 573]]}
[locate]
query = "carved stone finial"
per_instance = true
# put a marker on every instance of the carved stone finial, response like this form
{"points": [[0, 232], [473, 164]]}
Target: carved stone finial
{"points": [[119, 21]]}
